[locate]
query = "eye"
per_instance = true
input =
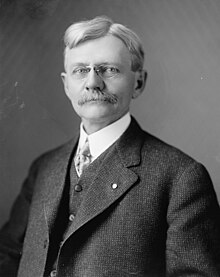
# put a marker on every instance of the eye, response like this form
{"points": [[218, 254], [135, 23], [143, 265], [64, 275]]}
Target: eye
{"points": [[109, 71], [80, 70]]}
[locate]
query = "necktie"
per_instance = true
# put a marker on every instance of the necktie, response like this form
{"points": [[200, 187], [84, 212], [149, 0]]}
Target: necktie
{"points": [[83, 158]]}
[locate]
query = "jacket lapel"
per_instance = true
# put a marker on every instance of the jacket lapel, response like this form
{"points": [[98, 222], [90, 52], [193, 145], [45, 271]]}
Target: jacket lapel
{"points": [[55, 177], [114, 178]]}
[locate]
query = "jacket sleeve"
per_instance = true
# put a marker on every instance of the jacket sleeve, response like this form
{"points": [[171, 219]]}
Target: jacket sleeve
{"points": [[13, 232], [193, 238]]}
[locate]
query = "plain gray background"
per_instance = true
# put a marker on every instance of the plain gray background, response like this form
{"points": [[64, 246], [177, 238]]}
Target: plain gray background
{"points": [[180, 103]]}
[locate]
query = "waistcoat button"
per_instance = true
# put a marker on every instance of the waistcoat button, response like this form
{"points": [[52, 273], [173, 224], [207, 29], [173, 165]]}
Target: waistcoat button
{"points": [[78, 188], [71, 217], [53, 273]]}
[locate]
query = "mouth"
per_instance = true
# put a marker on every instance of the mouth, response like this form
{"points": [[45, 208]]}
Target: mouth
{"points": [[98, 100]]}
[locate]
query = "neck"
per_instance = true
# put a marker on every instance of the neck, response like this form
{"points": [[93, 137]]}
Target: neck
{"points": [[92, 128]]}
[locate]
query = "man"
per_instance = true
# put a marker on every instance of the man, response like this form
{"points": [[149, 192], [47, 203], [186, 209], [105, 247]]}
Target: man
{"points": [[115, 200]]}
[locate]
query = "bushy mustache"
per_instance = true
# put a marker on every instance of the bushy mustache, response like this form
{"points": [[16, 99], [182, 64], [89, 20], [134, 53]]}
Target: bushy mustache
{"points": [[97, 95]]}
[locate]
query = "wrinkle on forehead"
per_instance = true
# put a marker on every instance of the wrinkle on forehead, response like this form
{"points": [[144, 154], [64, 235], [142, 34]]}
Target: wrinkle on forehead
{"points": [[108, 49]]}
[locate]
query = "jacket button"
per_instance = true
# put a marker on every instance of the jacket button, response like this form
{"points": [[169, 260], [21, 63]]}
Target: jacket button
{"points": [[53, 273], [78, 188]]}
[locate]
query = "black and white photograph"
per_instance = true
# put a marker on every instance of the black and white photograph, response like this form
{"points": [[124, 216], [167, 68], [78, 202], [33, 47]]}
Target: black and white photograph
{"points": [[109, 138]]}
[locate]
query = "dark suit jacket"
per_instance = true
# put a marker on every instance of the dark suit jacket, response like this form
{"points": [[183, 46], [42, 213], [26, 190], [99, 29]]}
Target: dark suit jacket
{"points": [[162, 219]]}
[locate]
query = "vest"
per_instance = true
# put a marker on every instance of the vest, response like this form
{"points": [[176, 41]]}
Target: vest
{"points": [[74, 191]]}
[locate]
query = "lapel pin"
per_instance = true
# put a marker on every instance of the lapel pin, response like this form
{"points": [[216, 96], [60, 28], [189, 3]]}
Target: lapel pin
{"points": [[114, 186]]}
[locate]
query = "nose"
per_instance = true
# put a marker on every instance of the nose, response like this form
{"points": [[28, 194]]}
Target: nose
{"points": [[94, 81]]}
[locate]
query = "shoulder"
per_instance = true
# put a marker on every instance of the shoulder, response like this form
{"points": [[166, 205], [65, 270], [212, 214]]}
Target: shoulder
{"points": [[155, 154], [167, 160], [171, 170], [162, 151], [172, 166]]}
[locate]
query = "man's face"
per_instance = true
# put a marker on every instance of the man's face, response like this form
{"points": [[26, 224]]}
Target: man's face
{"points": [[99, 81]]}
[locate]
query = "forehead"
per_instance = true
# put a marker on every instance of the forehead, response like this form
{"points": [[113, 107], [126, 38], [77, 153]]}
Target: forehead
{"points": [[108, 49]]}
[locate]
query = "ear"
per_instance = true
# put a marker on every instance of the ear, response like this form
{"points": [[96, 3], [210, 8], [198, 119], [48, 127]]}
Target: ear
{"points": [[140, 82], [65, 84]]}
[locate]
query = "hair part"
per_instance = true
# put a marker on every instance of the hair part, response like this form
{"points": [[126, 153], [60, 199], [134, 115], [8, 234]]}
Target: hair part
{"points": [[99, 27]]}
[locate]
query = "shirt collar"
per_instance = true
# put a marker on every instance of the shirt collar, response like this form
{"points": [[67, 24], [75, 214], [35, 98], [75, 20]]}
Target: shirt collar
{"points": [[104, 138]]}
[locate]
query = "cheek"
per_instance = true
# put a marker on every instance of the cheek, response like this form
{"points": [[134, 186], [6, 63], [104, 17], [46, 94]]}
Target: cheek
{"points": [[123, 90], [123, 84], [74, 90]]}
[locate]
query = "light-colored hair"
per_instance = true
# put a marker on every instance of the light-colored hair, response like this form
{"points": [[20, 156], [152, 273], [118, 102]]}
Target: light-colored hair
{"points": [[99, 27]]}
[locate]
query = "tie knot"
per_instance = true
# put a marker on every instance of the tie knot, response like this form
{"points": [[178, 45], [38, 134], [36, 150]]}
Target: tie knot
{"points": [[85, 151], [83, 158]]}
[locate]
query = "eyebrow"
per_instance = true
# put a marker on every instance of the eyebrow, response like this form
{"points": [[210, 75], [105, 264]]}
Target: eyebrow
{"points": [[99, 64]]}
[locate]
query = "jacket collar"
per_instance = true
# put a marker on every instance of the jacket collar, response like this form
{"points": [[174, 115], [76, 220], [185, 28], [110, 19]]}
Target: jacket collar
{"points": [[54, 178], [114, 178], [101, 193], [130, 144]]}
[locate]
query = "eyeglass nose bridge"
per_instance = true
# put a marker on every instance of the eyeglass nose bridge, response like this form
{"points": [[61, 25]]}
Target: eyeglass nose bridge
{"points": [[92, 80], [97, 69]]}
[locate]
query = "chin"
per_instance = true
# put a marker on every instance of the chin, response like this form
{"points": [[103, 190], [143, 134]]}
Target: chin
{"points": [[97, 111]]}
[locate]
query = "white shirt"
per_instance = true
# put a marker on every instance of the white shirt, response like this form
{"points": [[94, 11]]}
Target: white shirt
{"points": [[104, 138]]}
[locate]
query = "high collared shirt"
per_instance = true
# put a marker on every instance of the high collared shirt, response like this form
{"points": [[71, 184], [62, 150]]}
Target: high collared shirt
{"points": [[104, 138]]}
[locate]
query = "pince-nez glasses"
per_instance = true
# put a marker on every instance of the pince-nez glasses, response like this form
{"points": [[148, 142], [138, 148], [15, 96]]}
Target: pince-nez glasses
{"points": [[103, 71]]}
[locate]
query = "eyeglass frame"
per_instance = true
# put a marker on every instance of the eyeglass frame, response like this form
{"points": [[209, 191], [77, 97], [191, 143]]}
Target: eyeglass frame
{"points": [[99, 70]]}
